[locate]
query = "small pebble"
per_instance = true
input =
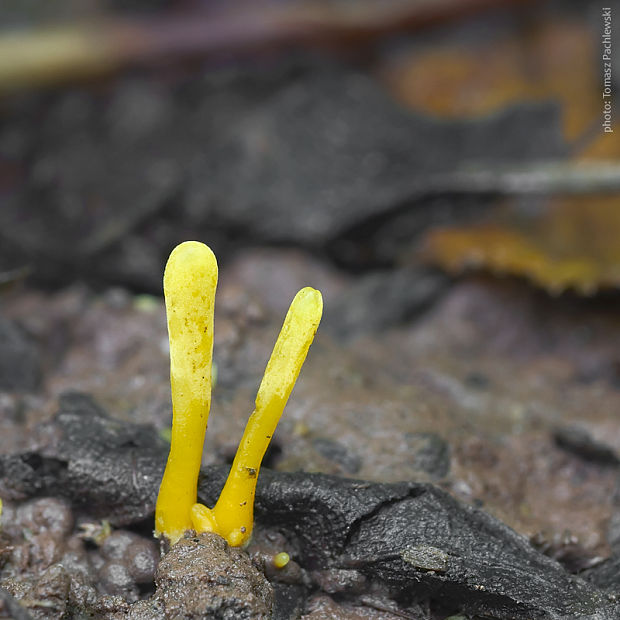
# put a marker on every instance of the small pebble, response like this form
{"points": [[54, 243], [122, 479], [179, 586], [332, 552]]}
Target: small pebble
{"points": [[142, 560], [137, 556], [47, 514], [115, 578]]}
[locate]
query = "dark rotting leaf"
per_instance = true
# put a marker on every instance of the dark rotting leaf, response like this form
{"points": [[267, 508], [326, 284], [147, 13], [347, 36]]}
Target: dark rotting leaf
{"points": [[413, 540]]}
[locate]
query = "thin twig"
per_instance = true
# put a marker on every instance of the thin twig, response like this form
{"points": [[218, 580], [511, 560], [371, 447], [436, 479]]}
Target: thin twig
{"points": [[49, 56], [546, 177]]}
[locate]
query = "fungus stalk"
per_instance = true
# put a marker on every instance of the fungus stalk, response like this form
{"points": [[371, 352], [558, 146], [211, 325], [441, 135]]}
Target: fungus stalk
{"points": [[190, 279], [232, 517]]}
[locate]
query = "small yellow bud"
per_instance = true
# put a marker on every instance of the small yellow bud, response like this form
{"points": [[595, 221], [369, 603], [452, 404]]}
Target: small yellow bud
{"points": [[280, 560]]}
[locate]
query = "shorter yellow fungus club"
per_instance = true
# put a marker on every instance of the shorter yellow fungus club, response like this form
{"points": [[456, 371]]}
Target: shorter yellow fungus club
{"points": [[233, 514], [189, 304]]}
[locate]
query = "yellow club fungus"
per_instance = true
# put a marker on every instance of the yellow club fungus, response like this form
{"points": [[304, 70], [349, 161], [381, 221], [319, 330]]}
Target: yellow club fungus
{"points": [[190, 279], [233, 514]]}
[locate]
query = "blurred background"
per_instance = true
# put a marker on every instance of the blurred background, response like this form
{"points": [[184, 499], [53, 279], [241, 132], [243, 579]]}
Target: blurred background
{"points": [[438, 168], [349, 130]]}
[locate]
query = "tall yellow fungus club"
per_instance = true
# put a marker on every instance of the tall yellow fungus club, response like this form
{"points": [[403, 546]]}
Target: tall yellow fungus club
{"points": [[233, 514], [190, 279]]}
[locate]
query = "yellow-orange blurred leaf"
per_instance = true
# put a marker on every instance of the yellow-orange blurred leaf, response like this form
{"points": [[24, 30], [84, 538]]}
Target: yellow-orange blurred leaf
{"points": [[573, 245], [549, 61]]}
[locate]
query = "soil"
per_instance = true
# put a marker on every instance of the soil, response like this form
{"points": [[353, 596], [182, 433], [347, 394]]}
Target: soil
{"points": [[482, 397]]}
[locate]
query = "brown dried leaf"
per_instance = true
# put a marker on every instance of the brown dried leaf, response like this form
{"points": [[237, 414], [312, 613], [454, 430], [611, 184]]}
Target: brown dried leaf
{"points": [[573, 245]]}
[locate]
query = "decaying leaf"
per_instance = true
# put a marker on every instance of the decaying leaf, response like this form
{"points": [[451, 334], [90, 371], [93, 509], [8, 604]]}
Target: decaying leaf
{"points": [[572, 244], [546, 61]]}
